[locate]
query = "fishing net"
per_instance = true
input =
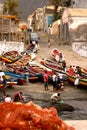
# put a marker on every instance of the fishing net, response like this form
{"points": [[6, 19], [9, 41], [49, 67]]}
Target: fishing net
{"points": [[18, 116]]}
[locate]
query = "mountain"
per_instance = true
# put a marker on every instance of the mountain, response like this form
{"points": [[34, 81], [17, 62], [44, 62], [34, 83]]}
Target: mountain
{"points": [[28, 6]]}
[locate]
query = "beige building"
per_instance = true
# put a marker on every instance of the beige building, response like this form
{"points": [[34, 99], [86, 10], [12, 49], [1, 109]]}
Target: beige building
{"points": [[1, 8], [8, 27], [42, 18], [73, 24]]}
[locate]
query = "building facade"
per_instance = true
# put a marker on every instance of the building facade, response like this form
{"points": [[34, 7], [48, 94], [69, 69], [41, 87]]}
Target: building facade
{"points": [[73, 24]]}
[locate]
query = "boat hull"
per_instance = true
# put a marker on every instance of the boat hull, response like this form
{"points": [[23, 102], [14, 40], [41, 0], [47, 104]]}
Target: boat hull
{"points": [[82, 81]]}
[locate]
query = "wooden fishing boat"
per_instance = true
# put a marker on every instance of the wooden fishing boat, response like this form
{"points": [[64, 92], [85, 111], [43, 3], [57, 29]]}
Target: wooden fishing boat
{"points": [[72, 77], [52, 65], [10, 57], [30, 47], [57, 55], [22, 72], [9, 83], [23, 61], [10, 80], [20, 79], [37, 67], [32, 55]]}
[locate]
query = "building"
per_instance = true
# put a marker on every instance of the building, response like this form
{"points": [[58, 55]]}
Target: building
{"points": [[1, 8], [73, 24], [42, 18], [79, 3], [8, 27]]}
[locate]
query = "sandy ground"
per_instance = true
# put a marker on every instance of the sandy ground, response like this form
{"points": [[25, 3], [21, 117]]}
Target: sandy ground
{"points": [[37, 88]]}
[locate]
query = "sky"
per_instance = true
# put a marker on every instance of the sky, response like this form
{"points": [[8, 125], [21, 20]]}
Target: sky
{"points": [[28, 6]]}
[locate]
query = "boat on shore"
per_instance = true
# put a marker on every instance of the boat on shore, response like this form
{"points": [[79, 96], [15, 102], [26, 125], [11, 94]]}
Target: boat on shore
{"points": [[57, 55], [52, 65], [72, 76], [10, 57], [22, 72], [37, 67]]}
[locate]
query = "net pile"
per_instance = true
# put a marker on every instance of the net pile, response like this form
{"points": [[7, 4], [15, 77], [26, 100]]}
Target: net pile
{"points": [[18, 116]]}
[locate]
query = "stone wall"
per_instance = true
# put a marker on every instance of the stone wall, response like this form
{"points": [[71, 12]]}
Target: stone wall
{"points": [[80, 48], [11, 46]]}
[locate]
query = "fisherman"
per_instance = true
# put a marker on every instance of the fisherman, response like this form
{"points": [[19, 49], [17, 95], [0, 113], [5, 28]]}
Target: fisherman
{"points": [[56, 98], [18, 97]]}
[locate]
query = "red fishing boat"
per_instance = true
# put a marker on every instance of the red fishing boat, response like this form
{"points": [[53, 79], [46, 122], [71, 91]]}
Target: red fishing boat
{"points": [[57, 55]]}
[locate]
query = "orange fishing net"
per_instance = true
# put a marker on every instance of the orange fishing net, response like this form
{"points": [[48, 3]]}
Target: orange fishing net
{"points": [[18, 116]]}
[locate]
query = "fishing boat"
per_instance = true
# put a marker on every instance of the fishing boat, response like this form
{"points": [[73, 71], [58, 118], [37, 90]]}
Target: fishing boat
{"points": [[52, 65], [23, 61], [72, 76], [37, 67], [57, 55], [10, 57], [10, 81], [30, 48], [22, 72], [32, 55]]}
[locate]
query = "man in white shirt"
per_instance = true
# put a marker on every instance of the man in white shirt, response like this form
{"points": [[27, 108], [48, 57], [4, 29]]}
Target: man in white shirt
{"points": [[54, 79], [56, 98], [1, 75]]}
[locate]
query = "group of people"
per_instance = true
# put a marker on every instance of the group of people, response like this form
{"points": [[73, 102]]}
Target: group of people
{"points": [[57, 81], [16, 97], [77, 71]]}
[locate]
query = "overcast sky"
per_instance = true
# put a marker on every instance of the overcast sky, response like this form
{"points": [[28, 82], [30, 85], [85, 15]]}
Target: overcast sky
{"points": [[28, 6]]}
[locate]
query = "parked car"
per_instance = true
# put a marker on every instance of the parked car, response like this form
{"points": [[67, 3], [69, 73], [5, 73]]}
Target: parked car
{"points": [[34, 37]]}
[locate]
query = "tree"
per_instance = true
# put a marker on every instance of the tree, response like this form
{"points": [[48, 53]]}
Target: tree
{"points": [[57, 3], [10, 7]]}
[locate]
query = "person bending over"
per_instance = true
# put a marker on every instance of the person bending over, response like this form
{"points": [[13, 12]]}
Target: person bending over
{"points": [[56, 98], [18, 97]]}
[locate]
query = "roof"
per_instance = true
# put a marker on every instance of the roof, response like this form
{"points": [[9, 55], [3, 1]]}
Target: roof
{"points": [[8, 16], [77, 12]]}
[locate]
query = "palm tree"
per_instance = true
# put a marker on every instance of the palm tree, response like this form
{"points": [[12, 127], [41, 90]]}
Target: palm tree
{"points": [[10, 7], [58, 3]]}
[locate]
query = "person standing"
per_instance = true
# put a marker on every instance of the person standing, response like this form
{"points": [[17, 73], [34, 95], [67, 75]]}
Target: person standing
{"points": [[76, 82], [64, 64], [70, 70], [1, 75], [60, 57], [54, 77], [49, 44], [45, 81], [4, 85]]}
